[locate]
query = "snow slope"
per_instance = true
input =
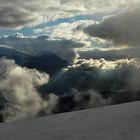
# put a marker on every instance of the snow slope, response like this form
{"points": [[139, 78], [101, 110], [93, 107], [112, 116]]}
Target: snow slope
{"points": [[118, 122]]}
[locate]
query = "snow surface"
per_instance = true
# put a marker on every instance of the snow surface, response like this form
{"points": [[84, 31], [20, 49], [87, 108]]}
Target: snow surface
{"points": [[118, 122]]}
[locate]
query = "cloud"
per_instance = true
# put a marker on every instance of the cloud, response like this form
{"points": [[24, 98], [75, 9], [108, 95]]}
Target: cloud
{"points": [[66, 8], [122, 28], [86, 84], [94, 5], [19, 14], [17, 18], [68, 31], [89, 99], [100, 75], [103, 64], [19, 90], [33, 45], [94, 83], [77, 100], [126, 73], [110, 54]]}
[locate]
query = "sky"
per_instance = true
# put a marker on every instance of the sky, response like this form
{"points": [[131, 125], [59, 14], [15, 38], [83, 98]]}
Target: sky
{"points": [[33, 18], [93, 44], [25, 17], [59, 18]]}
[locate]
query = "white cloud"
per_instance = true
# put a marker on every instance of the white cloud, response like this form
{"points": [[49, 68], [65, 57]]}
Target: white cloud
{"points": [[95, 99], [68, 31], [18, 87], [103, 64], [66, 8]]}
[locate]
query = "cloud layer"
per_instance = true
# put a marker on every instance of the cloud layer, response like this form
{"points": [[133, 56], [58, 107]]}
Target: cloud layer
{"points": [[100, 75], [33, 45], [86, 84]]}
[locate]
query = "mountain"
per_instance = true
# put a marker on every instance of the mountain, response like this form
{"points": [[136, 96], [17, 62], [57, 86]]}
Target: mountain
{"points": [[19, 57], [46, 61], [117, 122]]}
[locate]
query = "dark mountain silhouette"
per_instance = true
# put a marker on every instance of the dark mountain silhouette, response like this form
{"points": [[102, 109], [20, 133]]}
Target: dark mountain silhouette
{"points": [[45, 61], [9, 53]]}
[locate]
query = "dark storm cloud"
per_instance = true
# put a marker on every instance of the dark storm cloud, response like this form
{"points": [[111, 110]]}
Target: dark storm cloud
{"points": [[122, 28]]}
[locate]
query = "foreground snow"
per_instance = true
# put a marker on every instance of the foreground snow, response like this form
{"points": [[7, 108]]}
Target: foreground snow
{"points": [[119, 122]]}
